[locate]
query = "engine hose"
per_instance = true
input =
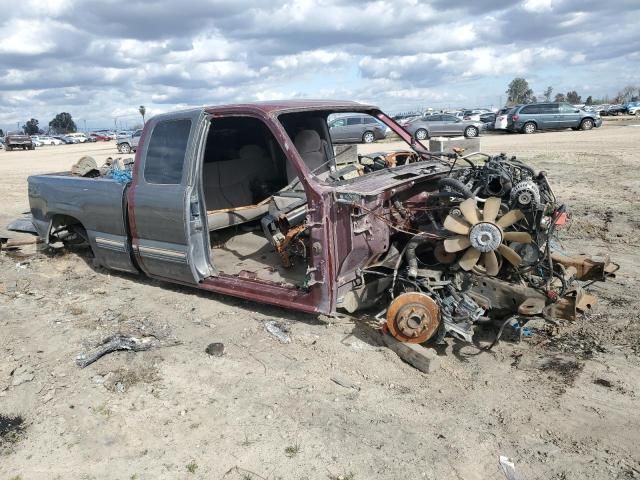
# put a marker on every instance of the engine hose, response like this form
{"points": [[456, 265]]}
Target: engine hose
{"points": [[410, 255], [455, 185]]}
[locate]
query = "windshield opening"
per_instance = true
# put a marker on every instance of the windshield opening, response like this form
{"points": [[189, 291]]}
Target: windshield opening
{"points": [[343, 145]]}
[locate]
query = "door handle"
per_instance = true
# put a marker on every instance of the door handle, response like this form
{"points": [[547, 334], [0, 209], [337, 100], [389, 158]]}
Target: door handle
{"points": [[194, 210]]}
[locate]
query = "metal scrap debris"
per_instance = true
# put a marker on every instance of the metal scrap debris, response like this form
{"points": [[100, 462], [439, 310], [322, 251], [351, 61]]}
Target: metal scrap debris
{"points": [[114, 343]]}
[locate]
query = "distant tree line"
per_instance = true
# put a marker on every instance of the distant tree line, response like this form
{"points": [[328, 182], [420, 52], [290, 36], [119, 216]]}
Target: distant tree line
{"points": [[62, 123], [519, 92]]}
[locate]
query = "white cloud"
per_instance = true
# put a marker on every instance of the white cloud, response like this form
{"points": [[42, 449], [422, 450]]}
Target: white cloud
{"points": [[26, 37], [103, 58], [537, 6], [313, 59]]}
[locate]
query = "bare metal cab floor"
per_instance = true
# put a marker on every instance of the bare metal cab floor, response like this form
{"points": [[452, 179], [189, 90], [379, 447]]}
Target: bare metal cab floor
{"points": [[236, 251]]}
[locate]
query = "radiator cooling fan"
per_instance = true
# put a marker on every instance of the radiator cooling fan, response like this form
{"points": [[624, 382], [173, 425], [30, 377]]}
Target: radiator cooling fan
{"points": [[481, 234]]}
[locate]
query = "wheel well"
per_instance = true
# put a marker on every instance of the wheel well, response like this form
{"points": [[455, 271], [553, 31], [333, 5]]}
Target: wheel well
{"points": [[588, 118], [64, 227]]}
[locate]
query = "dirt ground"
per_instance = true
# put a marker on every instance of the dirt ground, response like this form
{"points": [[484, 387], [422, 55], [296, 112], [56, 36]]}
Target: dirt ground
{"points": [[334, 403]]}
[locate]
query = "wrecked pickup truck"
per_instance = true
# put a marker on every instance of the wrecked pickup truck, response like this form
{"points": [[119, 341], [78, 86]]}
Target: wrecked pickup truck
{"points": [[250, 200]]}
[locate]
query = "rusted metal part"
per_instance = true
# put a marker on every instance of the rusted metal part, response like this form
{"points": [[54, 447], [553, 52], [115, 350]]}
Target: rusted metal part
{"points": [[413, 317], [532, 306], [572, 303], [586, 267], [503, 297], [282, 247], [400, 157]]}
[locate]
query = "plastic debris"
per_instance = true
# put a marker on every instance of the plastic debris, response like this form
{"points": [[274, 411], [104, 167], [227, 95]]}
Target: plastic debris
{"points": [[275, 329], [508, 468], [122, 176]]}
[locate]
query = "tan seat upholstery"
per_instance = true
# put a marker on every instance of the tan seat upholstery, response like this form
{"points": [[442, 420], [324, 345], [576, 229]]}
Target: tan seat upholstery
{"points": [[310, 147], [227, 187]]}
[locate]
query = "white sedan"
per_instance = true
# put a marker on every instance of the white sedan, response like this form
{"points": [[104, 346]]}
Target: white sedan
{"points": [[47, 140]]}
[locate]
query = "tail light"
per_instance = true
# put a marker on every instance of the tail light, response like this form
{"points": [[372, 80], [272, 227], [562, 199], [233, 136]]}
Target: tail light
{"points": [[515, 117]]}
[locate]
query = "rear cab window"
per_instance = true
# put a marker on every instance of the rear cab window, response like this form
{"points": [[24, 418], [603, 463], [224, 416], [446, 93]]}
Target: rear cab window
{"points": [[164, 162]]}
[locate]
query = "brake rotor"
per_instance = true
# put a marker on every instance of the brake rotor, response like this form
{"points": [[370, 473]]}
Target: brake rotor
{"points": [[413, 317]]}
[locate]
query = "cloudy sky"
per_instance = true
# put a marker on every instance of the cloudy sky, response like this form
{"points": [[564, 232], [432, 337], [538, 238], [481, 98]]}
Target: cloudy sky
{"points": [[100, 59]]}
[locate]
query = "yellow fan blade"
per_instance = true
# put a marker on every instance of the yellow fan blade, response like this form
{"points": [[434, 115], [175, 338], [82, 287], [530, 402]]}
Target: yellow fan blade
{"points": [[490, 262], [469, 259], [510, 255], [456, 244], [491, 209], [456, 225], [520, 237], [470, 211], [509, 218]]}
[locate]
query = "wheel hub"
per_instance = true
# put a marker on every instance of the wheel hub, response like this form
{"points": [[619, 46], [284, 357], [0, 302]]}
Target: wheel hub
{"points": [[485, 237], [413, 317]]}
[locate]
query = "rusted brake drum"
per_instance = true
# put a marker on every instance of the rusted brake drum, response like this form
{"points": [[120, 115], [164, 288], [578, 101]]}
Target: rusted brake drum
{"points": [[413, 317]]}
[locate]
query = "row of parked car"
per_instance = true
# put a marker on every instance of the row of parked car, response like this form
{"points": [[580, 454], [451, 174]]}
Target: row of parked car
{"points": [[17, 140], [611, 110], [527, 118]]}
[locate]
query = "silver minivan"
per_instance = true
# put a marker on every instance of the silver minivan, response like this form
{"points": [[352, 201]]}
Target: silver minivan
{"points": [[544, 116], [356, 128]]}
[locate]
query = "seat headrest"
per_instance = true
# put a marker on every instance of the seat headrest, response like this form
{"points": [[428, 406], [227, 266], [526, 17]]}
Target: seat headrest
{"points": [[307, 141]]}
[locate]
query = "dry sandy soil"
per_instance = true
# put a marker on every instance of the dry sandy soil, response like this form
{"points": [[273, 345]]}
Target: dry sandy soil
{"points": [[333, 403]]}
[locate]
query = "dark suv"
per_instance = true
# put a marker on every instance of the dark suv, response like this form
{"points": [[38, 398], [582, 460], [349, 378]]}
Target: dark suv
{"points": [[542, 116]]}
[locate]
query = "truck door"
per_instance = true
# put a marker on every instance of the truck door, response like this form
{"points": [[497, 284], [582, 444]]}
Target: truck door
{"points": [[165, 208]]}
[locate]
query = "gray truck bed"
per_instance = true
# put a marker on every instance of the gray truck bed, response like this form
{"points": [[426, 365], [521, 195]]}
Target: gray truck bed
{"points": [[96, 203]]}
